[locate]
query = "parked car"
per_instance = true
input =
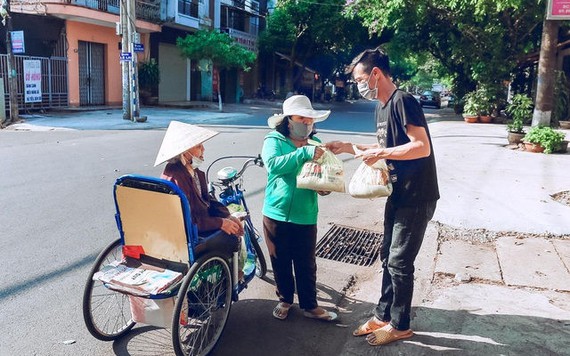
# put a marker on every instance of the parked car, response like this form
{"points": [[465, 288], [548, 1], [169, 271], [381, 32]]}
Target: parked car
{"points": [[430, 98]]}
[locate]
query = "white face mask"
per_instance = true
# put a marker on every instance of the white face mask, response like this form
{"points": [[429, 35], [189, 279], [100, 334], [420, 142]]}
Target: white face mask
{"points": [[196, 162], [366, 92]]}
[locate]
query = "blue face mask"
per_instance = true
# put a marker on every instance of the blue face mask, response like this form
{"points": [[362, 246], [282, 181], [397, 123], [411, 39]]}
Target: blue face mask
{"points": [[298, 130]]}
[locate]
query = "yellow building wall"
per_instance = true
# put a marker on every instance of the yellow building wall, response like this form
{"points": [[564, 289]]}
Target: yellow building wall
{"points": [[79, 31]]}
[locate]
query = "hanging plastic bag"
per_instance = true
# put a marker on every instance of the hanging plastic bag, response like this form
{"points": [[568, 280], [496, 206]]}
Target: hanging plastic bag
{"points": [[324, 174], [371, 181]]}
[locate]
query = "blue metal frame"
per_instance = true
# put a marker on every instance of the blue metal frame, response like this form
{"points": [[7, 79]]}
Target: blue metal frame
{"points": [[191, 228]]}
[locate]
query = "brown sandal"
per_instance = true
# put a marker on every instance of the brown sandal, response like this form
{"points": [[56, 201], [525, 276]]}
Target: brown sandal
{"points": [[368, 327]]}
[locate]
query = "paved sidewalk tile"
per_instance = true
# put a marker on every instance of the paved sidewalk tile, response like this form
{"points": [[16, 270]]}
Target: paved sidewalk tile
{"points": [[458, 256], [533, 263], [563, 249]]}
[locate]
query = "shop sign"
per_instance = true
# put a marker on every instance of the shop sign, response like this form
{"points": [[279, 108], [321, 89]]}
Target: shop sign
{"points": [[558, 10], [18, 45], [245, 39], [32, 81]]}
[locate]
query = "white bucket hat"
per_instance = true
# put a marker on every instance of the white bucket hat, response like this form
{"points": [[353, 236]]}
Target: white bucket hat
{"points": [[298, 105], [179, 138]]}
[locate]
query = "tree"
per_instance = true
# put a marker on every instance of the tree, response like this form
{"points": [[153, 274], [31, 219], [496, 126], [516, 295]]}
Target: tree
{"points": [[476, 41], [219, 48], [313, 33]]}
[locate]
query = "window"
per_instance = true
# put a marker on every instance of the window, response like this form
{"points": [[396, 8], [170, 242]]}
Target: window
{"points": [[188, 7]]}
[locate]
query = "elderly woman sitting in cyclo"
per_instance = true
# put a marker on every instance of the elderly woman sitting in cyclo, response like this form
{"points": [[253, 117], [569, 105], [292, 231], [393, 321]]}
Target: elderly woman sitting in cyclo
{"points": [[183, 148]]}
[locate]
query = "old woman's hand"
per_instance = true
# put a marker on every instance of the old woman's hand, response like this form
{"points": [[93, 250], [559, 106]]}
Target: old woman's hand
{"points": [[230, 227]]}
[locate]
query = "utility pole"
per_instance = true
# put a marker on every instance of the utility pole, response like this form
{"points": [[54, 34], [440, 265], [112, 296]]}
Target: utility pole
{"points": [[124, 31], [131, 107], [12, 75]]}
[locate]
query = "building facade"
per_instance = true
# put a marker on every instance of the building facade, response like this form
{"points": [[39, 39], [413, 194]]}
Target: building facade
{"points": [[79, 48]]}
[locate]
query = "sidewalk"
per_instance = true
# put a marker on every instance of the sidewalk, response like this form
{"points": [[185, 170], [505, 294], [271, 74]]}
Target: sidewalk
{"points": [[493, 275]]}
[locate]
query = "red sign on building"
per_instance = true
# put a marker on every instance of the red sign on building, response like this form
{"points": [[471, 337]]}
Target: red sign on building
{"points": [[558, 10]]}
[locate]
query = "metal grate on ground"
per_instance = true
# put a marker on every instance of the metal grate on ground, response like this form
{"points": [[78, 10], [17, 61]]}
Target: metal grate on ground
{"points": [[346, 244]]}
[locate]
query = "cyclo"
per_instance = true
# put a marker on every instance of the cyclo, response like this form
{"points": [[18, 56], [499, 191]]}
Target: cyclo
{"points": [[157, 235]]}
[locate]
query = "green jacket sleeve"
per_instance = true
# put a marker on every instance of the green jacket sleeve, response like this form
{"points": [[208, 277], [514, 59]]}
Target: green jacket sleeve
{"points": [[277, 162]]}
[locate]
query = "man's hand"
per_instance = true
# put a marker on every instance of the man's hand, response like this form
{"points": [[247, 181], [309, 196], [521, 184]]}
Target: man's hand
{"points": [[338, 147], [372, 156]]}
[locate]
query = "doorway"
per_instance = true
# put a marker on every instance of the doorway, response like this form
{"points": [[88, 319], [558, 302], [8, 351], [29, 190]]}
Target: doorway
{"points": [[91, 73]]}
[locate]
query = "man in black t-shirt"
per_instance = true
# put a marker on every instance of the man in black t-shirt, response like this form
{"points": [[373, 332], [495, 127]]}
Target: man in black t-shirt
{"points": [[405, 143]]}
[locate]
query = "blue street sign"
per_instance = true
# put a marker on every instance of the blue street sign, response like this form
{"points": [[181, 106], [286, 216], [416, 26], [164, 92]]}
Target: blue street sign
{"points": [[126, 57], [138, 47]]}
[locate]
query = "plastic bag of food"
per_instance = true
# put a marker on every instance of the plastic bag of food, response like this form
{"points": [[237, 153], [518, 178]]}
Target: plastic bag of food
{"points": [[371, 181], [324, 174]]}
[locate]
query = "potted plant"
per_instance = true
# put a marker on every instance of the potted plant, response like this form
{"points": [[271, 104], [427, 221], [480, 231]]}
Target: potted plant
{"points": [[149, 77], [471, 108], [483, 104], [543, 139], [520, 110]]}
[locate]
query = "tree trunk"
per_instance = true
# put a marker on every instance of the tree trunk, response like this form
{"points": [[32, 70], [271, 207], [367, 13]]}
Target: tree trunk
{"points": [[546, 65]]}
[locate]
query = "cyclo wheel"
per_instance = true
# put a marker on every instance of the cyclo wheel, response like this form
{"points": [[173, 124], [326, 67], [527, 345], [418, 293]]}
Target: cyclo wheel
{"points": [[107, 313], [260, 262], [202, 306]]}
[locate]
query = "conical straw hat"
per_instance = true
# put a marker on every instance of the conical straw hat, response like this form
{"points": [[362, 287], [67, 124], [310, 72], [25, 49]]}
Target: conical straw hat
{"points": [[179, 138]]}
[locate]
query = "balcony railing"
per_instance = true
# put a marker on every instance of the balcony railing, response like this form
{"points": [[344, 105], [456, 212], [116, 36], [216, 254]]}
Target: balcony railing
{"points": [[188, 8], [148, 10]]}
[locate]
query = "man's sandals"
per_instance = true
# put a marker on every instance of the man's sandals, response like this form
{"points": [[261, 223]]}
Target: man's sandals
{"points": [[378, 335], [369, 326]]}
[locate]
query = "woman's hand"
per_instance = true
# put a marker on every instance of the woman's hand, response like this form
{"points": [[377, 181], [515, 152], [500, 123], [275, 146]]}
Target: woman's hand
{"points": [[230, 227], [318, 153]]}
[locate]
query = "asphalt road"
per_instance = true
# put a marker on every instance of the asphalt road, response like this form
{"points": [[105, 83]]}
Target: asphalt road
{"points": [[58, 214]]}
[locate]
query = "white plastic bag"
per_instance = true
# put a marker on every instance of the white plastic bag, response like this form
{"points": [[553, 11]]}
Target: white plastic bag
{"points": [[157, 312], [324, 174], [371, 181]]}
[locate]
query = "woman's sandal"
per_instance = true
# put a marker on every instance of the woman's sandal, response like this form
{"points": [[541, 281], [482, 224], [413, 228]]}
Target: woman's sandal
{"points": [[368, 327], [325, 315], [281, 310]]}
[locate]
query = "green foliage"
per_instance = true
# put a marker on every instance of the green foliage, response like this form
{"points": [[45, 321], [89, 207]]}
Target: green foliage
{"points": [[148, 74], [479, 42], [314, 33], [216, 46], [520, 110], [470, 107], [478, 102], [546, 137]]}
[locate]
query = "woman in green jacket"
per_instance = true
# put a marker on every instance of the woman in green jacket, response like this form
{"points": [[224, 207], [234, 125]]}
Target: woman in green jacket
{"points": [[290, 213]]}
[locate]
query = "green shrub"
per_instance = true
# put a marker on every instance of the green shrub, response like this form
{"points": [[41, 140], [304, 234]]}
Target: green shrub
{"points": [[546, 137], [520, 111], [149, 74]]}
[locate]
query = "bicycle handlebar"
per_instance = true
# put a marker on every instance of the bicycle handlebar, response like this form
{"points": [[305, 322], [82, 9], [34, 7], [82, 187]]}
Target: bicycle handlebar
{"points": [[256, 160]]}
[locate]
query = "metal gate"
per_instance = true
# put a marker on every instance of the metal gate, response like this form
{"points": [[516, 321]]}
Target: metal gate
{"points": [[91, 73], [54, 78]]}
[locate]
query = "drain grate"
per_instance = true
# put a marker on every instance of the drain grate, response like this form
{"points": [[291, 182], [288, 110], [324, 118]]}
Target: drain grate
{"points": [[346, 244]]}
